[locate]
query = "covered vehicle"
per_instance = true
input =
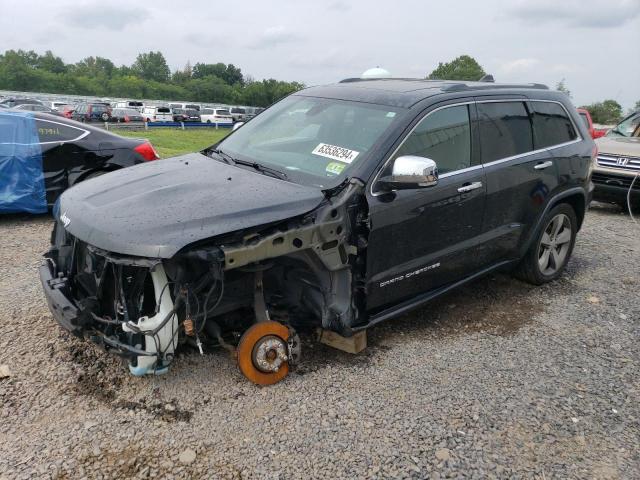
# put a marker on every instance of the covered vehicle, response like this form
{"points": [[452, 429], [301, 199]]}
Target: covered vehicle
{"points": [[335, 209], [43, 155]]}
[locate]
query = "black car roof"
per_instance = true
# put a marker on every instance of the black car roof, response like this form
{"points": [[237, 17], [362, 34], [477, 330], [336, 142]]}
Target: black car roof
{"points": [[405, 92]]}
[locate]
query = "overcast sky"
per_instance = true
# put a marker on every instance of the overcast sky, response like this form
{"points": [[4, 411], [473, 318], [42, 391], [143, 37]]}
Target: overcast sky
{"points": [[593, 44]]}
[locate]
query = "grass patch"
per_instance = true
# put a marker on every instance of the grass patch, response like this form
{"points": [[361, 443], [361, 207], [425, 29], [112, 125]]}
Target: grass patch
{"points": [[170, 142]]}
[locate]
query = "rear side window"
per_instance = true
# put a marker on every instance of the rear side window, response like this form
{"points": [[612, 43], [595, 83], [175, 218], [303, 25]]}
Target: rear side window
{"points": [[207, 111], [443, 136], [505, 130], [551, 124]]}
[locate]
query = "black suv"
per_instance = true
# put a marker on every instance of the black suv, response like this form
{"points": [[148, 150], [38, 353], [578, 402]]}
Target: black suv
{"points": [[337, 208]]}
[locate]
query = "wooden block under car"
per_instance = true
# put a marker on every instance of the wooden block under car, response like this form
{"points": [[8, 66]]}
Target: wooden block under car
{"points": [[354, 344]]}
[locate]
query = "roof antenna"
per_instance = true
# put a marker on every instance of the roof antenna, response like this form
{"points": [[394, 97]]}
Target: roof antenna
{"points": [[487, 78]]}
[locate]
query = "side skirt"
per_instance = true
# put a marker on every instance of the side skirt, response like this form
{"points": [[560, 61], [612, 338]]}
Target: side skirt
{"points": [[423, 298]]}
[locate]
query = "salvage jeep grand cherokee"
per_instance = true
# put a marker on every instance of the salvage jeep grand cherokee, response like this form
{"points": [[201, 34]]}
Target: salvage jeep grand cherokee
{"points": [[337, 208]]}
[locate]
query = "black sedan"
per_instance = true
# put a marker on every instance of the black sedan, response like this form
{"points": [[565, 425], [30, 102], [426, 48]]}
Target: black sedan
{"points": [[42, 155], [126, 115]]}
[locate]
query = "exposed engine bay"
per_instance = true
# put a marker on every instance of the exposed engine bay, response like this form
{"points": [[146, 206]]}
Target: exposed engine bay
{"points": [[247, 291]]}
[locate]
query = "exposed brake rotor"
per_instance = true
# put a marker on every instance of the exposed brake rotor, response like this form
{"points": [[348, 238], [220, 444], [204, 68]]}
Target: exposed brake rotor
{"points": [[263, 353]]}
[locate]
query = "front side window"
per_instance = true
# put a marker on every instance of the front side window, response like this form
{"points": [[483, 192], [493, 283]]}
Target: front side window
{"points": [[505, 130], [551, 124], [444, 136], [315, 141]]}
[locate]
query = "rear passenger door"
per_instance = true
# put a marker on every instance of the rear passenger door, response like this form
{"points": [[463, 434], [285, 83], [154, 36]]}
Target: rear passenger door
{"points": [[520, 177]]}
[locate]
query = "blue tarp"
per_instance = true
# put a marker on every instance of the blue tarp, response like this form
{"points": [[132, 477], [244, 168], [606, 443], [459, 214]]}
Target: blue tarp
{"points": [[21, 177]]}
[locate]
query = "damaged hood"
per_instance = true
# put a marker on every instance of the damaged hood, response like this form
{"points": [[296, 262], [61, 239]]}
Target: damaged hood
{"points": [[157, 208]]}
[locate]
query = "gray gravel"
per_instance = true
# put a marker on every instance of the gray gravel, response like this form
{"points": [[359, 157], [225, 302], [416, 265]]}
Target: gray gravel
{"points": [[499, 379]]}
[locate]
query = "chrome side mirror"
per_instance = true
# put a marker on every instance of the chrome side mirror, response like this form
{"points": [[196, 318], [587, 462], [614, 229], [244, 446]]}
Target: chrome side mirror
{"points": [[409, 172]]}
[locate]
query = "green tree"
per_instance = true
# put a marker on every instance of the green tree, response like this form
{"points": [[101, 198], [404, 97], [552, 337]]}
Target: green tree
{"points": [[561, 87], [51, 63], [606, 112], [462, 68], [151, 66], [230, 74]]}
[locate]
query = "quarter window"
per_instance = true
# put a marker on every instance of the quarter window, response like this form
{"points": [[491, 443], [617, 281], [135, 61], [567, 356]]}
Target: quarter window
{"points": [[57, 132], [443, 136], [551, 124], [505, 130]]}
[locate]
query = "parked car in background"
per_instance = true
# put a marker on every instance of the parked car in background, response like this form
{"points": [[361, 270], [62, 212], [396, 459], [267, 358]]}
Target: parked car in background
{"points": [[333, 209], [192, 115], [57, 105], [92, 112], [219, 116], [618, 164], [15, 101], [126, 115], [130, 104], [239, 114], [585, 116], [179, 114], [32, 107], [157, 114], [41, 156], [185, 106], [67, 110]]}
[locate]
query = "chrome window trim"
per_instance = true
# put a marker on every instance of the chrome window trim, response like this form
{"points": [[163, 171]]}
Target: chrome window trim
{"points": [[375, 179], [493, 162], [80, 137]]}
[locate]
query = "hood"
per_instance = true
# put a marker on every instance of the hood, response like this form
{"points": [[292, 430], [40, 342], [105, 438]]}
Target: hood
{"points": [[157, 208], [625, 146]]}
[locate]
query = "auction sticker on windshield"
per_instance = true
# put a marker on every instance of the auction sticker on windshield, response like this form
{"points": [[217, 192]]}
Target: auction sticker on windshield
{"points": [[335, 153]]}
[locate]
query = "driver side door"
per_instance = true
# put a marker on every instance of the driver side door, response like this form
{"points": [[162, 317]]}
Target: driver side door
{"points": [[424, 238]]}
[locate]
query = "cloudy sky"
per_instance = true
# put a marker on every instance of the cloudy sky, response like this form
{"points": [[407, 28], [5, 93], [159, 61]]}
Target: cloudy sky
{"points": [[592, 44]]}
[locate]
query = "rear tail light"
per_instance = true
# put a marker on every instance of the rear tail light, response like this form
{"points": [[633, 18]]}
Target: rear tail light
{"points": [[147, 151]]}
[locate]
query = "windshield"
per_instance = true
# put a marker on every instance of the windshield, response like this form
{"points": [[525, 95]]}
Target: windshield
{"points": [[626, 127], [315, 141]]}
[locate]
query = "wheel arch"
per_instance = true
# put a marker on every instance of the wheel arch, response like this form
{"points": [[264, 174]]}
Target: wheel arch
{"points": [[575, 197]]}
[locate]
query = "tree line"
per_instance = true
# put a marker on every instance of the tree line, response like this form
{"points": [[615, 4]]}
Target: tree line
{"points": [[148, 77]]}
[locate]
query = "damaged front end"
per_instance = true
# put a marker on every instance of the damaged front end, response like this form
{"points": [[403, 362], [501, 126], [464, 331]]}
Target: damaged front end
{"points": [[247, 291]]}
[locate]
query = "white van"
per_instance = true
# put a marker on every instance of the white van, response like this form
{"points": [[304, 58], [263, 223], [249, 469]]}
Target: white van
{"points": [[129, 104], [219, 116], [157, 114]]}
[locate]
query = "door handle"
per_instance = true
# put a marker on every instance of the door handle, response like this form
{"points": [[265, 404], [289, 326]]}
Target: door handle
{"points": [[543, 165], [469, 187]]}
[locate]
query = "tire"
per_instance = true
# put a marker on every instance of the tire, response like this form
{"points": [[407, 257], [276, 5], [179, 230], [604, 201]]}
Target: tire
{"points": [[551, 249], [105, 117]]}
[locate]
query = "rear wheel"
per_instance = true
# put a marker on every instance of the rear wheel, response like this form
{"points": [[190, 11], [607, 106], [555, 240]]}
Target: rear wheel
{"points": [[549, 253]]}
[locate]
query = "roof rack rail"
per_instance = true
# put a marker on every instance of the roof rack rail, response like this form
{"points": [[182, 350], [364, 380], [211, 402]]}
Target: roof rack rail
{"points": [[455, 87]]}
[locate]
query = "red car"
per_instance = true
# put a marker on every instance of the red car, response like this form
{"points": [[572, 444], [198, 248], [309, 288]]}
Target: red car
{"points": [[586, 118], [67, 110]]}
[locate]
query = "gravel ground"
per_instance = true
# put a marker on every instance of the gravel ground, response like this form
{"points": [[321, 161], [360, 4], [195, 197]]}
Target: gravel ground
{"points": [[499, 379]]}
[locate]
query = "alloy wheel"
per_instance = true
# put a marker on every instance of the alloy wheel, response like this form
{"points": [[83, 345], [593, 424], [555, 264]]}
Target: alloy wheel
{"points": [[555, 244]]}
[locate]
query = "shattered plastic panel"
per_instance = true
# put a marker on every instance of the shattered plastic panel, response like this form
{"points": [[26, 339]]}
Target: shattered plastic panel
{"points": [[21, 177]]}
